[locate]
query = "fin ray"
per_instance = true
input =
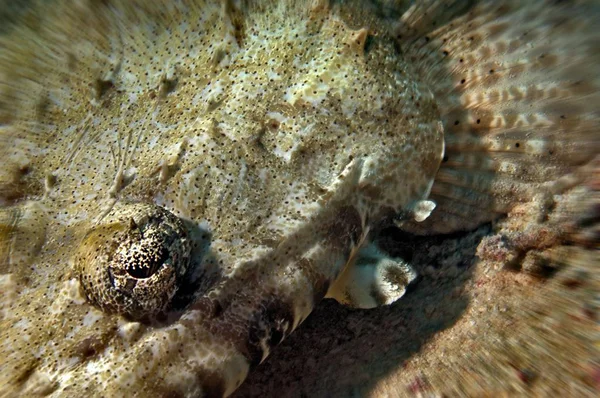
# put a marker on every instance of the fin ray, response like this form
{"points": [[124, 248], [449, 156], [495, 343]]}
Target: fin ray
{"points": [[517, 87]]}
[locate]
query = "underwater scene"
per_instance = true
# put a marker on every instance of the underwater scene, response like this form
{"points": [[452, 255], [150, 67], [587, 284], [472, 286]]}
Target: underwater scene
{"points": [[311, 198]]}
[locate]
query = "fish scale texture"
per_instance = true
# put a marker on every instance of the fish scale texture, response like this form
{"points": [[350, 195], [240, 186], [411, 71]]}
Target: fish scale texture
{"points": [[182, 182]]}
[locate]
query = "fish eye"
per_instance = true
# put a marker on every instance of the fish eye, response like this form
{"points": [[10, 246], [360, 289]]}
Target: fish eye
{"points": [[134, 260]]}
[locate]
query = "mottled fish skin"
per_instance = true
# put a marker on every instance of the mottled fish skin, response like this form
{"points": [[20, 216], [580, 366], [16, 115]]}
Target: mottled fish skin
{"points": [[279, 136], [279, 156]]}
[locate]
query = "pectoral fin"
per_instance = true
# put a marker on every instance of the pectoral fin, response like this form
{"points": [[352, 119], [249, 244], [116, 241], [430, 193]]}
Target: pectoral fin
{"points": [[371, 278]]}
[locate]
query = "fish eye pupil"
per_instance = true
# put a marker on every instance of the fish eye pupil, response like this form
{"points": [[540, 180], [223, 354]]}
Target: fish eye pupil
{"points": [[148, 264]]}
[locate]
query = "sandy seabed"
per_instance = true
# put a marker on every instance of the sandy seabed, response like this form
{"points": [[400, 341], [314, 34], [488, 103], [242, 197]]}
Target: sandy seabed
{"points": [[510, 309]]}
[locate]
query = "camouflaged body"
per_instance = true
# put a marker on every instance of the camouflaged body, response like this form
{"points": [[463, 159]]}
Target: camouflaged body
{"points": [[275, 135], [279, 138]]}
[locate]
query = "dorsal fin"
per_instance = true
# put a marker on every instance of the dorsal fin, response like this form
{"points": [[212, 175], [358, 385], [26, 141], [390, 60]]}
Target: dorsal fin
{"points": [[517, 88]]}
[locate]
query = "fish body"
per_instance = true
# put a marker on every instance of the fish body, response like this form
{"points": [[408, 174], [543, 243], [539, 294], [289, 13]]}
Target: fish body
{"points": [[185, 181]]}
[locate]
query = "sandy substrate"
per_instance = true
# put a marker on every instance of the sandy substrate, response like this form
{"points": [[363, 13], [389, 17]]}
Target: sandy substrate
{"points": [[511, 309]]}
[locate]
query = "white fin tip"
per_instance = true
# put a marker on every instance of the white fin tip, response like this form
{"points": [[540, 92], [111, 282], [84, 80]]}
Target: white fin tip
{"points": [[422, 209]]}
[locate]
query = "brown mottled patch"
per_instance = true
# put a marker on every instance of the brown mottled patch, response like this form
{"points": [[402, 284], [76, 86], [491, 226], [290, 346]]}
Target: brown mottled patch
{"points": [[273, 319], [90, 346], [213, 383], [344, 227], [319, 283]]}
